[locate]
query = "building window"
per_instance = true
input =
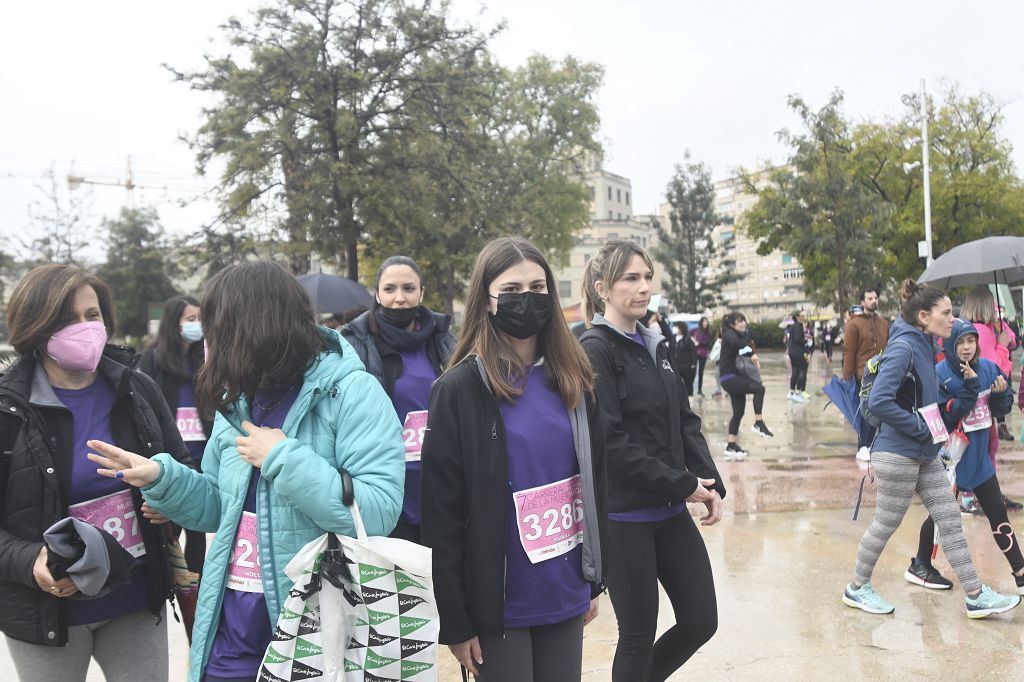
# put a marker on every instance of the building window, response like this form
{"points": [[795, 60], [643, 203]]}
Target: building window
{"points": [[565, 289], [787, 259], [592, 192], [613, 235], [620, 216], [618, 195], [627, 198], [609, 194], [793, 273], [609, 212]]}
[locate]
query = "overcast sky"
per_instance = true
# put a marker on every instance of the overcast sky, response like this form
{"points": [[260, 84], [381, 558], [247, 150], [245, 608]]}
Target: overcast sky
{"points": [[83, 88]]}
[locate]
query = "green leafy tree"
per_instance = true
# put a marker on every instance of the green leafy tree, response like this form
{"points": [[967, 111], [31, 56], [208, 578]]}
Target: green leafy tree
{"points": [[307, 105], [137, 269], [818, 209], [686, 247]]}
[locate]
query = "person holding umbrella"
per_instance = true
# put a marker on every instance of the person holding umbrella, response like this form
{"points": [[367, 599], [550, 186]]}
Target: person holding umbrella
{"points": [[405, 346], [972, 391]]}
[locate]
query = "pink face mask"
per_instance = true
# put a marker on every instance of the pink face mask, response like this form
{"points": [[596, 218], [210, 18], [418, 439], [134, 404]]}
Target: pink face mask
{"points": [[78, 347]]}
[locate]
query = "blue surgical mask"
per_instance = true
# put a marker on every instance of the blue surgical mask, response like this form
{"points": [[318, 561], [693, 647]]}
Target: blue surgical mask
{"points": [[192, 331]]}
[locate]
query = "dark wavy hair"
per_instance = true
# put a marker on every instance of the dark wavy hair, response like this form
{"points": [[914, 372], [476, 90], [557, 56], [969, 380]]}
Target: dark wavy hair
{"points": [[260, 331], [173, 354], [917, 297]]}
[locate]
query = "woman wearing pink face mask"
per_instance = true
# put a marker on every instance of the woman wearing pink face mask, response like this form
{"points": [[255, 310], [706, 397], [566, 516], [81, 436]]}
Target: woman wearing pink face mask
{"points": [[66, 387]]}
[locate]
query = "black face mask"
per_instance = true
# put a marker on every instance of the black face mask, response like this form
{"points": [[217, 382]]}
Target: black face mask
{"points": [[398, 317], [524, 314]]}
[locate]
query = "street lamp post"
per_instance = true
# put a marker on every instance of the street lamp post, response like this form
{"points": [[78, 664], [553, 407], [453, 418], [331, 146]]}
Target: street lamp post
{"points": [[927, 183]]}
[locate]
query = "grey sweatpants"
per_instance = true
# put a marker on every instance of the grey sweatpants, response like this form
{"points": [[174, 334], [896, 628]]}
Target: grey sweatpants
{"points": [[545, 653], [128, 648], [899, 478]]}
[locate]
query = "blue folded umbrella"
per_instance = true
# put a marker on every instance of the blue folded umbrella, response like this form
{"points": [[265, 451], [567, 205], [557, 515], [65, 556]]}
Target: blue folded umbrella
{"points": [[843, 394]]}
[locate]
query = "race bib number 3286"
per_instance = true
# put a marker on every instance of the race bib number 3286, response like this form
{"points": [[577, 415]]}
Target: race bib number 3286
{"points": [[550, 518]]}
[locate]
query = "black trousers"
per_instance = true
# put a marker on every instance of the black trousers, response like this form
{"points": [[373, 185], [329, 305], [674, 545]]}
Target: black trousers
{"points": [[738, 387], [990, 497], [641, 555], [798, 377], [701, 364]]}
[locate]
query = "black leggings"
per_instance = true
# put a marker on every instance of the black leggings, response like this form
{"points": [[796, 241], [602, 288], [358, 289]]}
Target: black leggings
{"points": [[641, 555], [701, 364], [990, 497], [544, 653], [738, 387], [798, 377]]}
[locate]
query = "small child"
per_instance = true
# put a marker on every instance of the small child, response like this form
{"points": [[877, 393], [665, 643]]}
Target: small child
{"points": [[973, 391]]}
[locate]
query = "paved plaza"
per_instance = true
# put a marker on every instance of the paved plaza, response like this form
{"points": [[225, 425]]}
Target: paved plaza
{"points": [[783, 554]]}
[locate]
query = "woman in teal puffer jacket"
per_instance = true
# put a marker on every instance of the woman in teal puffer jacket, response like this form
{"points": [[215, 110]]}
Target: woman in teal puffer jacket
{"points": [[298, 407]]}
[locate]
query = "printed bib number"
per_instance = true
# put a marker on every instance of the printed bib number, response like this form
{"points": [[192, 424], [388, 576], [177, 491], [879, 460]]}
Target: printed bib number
{"points": [[412, 433], [981, 416], [935, 424], [189, 425], [114, 514], [550, 518], [244, 573]]}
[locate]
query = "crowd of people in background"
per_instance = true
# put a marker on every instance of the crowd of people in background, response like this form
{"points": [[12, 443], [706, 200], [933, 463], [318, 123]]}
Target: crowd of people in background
{"points": [[248, 406]]}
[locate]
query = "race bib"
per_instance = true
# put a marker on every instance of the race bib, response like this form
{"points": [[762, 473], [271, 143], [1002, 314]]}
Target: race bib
{"points": [[981, 416], [115, 514], [189, 425], [934, 421], [550, 518], [412, 433], [244, 570]]}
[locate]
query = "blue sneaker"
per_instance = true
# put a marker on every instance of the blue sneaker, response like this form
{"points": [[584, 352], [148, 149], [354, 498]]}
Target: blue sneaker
{"points": [[990, 602], [866, 599]]}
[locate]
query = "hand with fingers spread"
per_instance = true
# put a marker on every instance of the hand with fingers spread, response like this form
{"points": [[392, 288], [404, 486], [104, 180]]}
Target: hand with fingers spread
{"points": [[999, 385], [468, 654], [115, 462], [41, 572], [255, 447]]}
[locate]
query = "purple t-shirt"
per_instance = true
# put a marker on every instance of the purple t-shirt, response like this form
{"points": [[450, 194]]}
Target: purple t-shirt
{"points": [[538, 437], [187, 404], [647, 514], [245, 629], [90, 412], [412, 394]]}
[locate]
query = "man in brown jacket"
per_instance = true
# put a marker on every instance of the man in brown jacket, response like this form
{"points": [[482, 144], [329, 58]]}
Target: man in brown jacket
{"points": [[865, 337]]}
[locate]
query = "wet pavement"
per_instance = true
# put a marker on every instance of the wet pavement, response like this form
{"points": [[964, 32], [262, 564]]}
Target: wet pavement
{"points": [[783, 554]]}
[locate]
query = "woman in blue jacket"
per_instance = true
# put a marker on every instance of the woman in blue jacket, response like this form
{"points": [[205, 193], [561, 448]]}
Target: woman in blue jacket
{"points": [[286, 424], [905, 397], [973, 392]]}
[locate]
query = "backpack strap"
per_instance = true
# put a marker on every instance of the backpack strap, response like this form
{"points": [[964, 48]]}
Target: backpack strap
{"points": [[595, 336]]}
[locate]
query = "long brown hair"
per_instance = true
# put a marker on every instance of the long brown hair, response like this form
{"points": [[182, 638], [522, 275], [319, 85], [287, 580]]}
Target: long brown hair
{"points": [[568, 368], [607, 265], [43, 303], [173, 354], [260, 330]]}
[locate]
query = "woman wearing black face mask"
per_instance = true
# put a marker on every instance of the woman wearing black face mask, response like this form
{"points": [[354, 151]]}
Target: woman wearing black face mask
{"points": [[405, 346], [513, 479]]}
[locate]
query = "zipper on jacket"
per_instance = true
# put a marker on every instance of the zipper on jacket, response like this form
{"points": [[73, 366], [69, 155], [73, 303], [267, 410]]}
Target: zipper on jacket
{"points": [[494, 429]]}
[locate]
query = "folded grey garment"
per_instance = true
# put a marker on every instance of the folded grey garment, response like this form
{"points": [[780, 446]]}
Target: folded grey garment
{"points": [[93, 559]]}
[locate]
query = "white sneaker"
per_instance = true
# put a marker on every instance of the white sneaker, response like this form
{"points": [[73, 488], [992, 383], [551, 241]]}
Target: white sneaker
{"points": [[791, 395], [734, 450], [864, 455]]}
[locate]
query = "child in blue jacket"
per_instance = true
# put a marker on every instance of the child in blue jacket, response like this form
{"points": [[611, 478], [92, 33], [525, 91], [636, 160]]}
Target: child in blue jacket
{"points": [[973, 392]]}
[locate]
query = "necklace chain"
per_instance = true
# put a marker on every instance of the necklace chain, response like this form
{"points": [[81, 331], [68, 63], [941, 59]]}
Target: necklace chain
{"points": [[271, 408]]}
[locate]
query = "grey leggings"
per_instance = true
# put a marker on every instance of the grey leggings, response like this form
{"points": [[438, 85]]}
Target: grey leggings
{"points": [[546, 653], [128, 648], [899, 478]]}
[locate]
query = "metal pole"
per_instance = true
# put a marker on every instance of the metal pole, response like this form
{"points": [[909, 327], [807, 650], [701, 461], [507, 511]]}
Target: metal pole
{"points": [[927, 183]]}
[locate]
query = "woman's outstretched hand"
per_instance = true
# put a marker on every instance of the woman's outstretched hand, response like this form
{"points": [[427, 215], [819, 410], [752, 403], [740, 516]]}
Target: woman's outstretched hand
{"points": [[127, 466]]}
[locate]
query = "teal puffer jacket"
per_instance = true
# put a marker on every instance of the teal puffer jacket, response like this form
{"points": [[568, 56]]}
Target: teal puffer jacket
{"points": [[341, 419]]}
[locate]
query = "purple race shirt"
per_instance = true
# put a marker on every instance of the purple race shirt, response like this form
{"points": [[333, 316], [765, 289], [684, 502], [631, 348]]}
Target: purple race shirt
{"points": [[411, 396], [189, 424], [90, 412], [245, 630], [541, 461]]}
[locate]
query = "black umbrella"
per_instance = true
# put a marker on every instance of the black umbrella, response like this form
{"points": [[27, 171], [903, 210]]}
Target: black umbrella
{"points": [[332, 295]]}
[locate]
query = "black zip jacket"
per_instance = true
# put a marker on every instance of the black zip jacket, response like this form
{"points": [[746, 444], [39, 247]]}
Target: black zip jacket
{"points": [[385, 363], [464, 494], [732, 343], [35, 480], [655, 448], [170, 385]]}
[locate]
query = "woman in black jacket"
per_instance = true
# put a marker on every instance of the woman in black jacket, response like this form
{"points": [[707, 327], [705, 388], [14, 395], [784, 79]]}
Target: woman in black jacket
{"points": [[657, 461], [173, 361], [405, 346], [513, 479], [66, 387], [738, 342], [796, 348]]}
